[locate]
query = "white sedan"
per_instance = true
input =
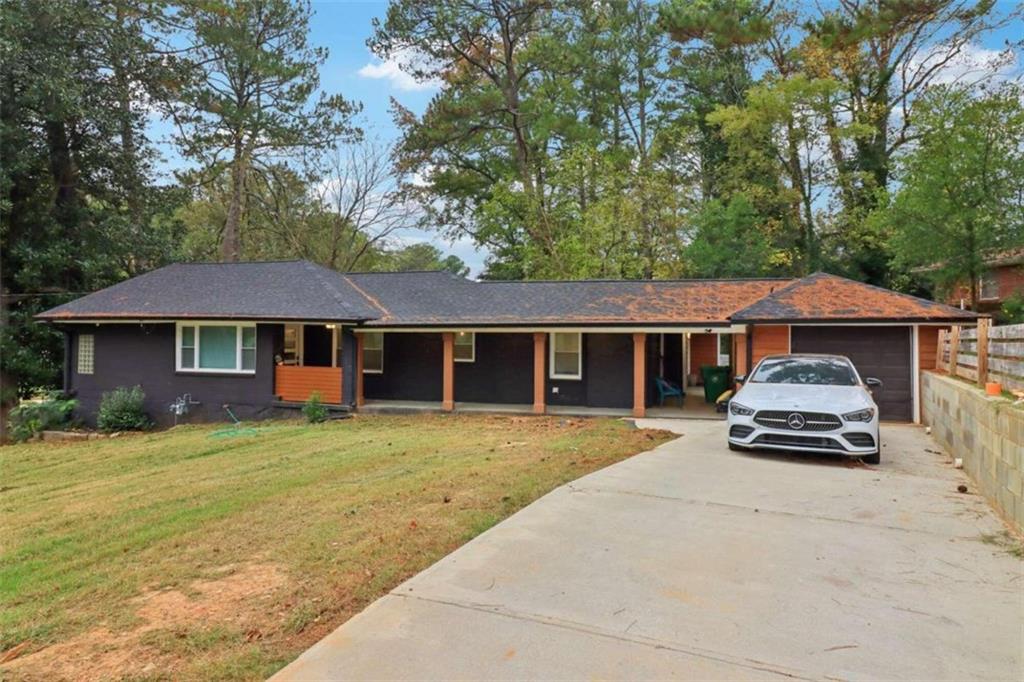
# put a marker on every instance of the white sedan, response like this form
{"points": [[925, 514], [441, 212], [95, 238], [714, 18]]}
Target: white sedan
{"points": [[810, 403]]}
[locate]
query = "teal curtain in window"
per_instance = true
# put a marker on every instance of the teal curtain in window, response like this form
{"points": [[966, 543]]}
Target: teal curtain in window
{"points": [[218, 347]]}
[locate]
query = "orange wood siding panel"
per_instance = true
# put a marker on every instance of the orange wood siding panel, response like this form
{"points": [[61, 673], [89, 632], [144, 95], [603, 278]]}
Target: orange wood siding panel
{"points": [[703, 351], [739, 354], [770, 339], [927, 346], [297, 384]]}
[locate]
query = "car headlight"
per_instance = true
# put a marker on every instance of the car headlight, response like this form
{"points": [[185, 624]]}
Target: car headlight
{"points": [[741, 410], [864, 415]]}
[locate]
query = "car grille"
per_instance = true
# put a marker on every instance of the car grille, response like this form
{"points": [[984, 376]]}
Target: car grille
{"points": [[740, 431], [785, 439], [860, 440], [813, 421]]}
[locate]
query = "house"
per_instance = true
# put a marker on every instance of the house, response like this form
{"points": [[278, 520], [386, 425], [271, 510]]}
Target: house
{"points": [[262, 337], [1003, 278]]}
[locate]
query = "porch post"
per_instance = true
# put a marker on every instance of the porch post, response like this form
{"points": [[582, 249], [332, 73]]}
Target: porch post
{"points": [[539, 340], [639, 374], [448, 381], [359, 371]]}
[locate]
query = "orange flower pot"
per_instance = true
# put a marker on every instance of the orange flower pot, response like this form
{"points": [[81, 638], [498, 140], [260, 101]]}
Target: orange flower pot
{"points": [[993, 388]]}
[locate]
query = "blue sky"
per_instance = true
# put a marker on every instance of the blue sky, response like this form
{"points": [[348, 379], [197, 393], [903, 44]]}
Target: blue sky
{"points": [[343, 27]]}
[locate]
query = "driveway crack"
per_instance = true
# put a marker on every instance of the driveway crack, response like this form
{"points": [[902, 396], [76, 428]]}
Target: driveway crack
{"points": [[640, 640]]}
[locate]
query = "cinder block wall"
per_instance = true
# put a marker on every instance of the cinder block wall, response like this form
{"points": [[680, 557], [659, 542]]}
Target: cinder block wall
{"points": [[988, 433]]}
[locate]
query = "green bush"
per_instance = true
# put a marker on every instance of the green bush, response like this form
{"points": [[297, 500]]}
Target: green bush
{"points": [[1012, 311], [29, 418], [315, 410], [122, 410]]}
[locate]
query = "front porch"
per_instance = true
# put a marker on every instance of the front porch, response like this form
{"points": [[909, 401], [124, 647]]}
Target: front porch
{"points": [[587, 372], [693, 407]]}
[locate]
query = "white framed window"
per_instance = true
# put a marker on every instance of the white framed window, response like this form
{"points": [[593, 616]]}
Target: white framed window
{"points": [[373, 352], [86, 353], [216, 347], [566, 356], [465, 346], [988, 287]]}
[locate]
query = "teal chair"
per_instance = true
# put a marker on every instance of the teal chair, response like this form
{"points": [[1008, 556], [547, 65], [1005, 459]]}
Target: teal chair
{"points": [[667, 389]]}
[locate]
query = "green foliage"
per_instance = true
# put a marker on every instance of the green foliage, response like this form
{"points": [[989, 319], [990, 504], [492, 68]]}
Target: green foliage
{"points": [[249, 95], [729, 241], [32, 417], [1012, 310], [314, 409], [123, 409], [962, 187]]}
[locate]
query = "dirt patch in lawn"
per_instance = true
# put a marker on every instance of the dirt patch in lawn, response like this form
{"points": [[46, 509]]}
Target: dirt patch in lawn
{"points": [[238, 604], [178, 555]]}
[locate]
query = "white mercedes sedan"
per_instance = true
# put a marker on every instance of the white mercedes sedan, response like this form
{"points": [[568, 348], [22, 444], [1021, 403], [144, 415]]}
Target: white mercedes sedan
{"points": [[810, 403]]}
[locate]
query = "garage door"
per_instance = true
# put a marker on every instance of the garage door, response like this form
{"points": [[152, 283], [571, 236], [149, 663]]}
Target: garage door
{"points": [[880, 352]]}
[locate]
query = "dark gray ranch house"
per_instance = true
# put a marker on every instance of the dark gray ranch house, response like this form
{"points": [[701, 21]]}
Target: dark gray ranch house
{"points": [[262, 337]]}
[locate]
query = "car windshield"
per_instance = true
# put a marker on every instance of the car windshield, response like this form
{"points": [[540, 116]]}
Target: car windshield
{"points": [[819, 371]]}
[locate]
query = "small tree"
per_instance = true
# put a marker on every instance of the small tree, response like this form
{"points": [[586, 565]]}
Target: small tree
{"points": [[962, 193], [314, 409]]}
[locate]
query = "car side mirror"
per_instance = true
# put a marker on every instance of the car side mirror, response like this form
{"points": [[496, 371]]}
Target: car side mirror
{"points": [[874, 383], [739, 379]]}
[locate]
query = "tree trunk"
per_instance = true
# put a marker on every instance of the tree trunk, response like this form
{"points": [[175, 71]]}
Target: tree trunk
{"points": [[230, 249]]}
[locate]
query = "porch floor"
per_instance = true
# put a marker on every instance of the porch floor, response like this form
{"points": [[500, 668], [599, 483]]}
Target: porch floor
{"points": [[693, 407]]}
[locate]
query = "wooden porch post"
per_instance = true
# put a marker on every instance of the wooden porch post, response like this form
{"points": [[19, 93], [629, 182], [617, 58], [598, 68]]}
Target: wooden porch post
{"points": [[359, 371], [539, 340], [639, 374], [448, 381]]}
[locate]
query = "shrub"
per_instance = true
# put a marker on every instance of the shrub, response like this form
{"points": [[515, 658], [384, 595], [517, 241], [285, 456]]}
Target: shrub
{"points": [[29, 418], [1012, 311], [314, 410], [122, 410]]}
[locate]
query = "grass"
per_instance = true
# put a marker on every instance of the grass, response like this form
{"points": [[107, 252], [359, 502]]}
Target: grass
{"points": [[218, 558]]}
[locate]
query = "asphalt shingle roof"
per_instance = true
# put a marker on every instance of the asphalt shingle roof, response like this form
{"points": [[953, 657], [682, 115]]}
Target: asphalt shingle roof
{"points": [[435, 298], [823, 297], [299, 290], [287, 290]]}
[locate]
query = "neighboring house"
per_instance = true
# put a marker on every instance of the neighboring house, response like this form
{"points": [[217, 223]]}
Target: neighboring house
{"points": [[1003, 277], [264, 336]]}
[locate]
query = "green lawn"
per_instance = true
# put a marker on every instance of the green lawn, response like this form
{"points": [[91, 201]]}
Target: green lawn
{"points": [[181, 554]]}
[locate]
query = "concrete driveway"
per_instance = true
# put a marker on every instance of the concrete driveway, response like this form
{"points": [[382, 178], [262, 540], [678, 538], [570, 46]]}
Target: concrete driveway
{"points": [[691, 561]]}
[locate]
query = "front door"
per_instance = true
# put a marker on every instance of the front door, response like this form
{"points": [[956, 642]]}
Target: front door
{"points": [[317, 345]]}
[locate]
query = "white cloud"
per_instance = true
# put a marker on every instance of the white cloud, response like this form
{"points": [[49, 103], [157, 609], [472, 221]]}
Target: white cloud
{"points": [[391, 70], [972, 64]]}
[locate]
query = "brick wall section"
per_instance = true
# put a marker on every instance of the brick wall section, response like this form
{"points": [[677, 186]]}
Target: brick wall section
{"points": [[987, 432]]}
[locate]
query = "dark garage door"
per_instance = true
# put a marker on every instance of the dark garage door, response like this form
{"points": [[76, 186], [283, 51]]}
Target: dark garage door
{"points": [[880, 352]]}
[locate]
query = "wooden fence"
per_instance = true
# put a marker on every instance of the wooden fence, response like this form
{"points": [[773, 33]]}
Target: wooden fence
{"points": [[984, 353]]}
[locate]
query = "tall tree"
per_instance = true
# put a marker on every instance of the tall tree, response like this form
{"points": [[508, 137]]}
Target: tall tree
{"points": [[77, 206], [252, 98], [961, 192]]}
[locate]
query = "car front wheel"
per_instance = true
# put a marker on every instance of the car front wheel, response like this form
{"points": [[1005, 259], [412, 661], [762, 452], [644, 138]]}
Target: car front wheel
{"points": [[736, 448], [875, 458]]}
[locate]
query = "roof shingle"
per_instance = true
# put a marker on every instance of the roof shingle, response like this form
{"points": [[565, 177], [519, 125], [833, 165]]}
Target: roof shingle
{"points": [[286, 290], [824, 297], [299, 290]]}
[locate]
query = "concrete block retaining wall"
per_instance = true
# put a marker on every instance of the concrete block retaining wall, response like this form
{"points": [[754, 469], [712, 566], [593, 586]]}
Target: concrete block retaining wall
{"points": [[987, 432]]}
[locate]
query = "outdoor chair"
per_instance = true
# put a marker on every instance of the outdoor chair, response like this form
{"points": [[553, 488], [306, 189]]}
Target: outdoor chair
{"points": [[667, 389]]}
